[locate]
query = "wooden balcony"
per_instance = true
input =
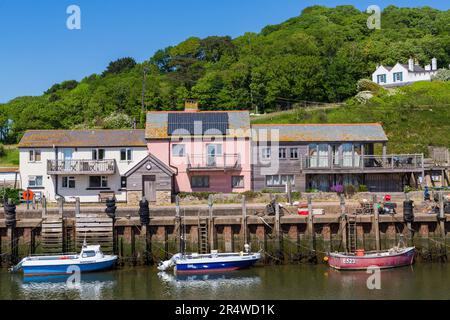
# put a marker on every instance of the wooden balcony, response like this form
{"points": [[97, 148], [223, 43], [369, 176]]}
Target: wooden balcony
{"points": [[81, 167], [365, 163], [224, 162]]}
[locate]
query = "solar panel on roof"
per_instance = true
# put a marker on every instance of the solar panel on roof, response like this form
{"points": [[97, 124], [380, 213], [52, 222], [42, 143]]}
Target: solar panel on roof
{"points": [[197, 123]]}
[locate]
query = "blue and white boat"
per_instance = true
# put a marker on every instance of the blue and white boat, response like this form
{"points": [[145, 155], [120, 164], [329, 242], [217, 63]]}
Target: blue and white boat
{"points": [[90, 259], [213, 262]]}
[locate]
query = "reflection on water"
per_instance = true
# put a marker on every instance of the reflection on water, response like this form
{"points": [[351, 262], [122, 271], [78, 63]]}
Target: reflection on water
{"points": [[91, 286], [421, 281]]}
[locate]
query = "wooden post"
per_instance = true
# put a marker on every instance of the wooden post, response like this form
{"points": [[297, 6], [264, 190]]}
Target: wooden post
{"points": [[408, 224], [244, 221], [178, 223], [289, 192], [210, 222], [277, 224], [442, 221], [44, 207], [310, 224], [376, 223], [61, 206], [343, 223]]}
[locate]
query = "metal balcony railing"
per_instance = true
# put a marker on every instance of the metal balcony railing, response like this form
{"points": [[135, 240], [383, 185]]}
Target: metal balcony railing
{"points": [[363, 162], [213, 162], [81, 166]]}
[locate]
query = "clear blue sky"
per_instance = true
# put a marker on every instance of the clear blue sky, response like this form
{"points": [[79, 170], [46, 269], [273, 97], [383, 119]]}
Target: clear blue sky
{"points": [[37, 50]]}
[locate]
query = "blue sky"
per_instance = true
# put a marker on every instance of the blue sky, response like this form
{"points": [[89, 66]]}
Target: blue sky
{"points": [[37, 50]]}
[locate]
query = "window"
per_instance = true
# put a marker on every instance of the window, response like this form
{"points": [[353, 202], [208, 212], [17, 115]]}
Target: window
{"points": [[282, 153], [125, 154], [98, 154], [123, 182], [35, 155], [266, 153], [381, 78], [88, 254], [178, 150], [214, 150], [200, 182], [98, 182], [237, 181], [279, 180], [35, 181], [294, 153], [68, 182], [398, 76]]}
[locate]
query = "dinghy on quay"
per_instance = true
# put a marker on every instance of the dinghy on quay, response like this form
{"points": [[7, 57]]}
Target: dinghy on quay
{"points": [[90, 259]]}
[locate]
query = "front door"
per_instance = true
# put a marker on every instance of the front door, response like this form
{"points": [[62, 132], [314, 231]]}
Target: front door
{"points": [[212, 151], [149, 188]]}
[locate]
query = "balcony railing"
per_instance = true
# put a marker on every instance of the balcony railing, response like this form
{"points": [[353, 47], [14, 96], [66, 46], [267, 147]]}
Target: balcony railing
{"points": [[397, 162], [81, 166], [210, 162]]}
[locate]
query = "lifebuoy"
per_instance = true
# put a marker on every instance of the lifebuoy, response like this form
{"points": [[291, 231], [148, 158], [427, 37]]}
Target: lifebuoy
{"points": [[28, 195]]}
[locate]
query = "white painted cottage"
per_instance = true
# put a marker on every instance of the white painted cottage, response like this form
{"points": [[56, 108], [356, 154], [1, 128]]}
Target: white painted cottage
{"points": [[403, 74], [90, 164]]}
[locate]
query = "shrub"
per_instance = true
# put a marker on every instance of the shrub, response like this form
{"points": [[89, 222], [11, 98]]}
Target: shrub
{"points": [[117, 121], [9, 193], [350, 190], [251, 194], [362, 188], [442, 75], [368, 85], [338, 188], [203, 195]]}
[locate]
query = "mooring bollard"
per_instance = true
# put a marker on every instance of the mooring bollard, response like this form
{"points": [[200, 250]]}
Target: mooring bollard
{"points": [[10, 222]]}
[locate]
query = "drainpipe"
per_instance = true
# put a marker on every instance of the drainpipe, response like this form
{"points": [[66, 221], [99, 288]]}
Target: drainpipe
{"points": [[56, 176]]}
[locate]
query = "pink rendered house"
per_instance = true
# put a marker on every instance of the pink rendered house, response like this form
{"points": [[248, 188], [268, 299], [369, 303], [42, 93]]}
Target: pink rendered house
{"points": [[207, 150]]}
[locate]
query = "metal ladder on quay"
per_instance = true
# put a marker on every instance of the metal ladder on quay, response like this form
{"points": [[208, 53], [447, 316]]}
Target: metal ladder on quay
{"points": [[351, 233], [202, 235]]}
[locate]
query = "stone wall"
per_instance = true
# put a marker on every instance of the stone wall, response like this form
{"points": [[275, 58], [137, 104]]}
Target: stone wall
{"points": [[133, 197], [163, 197]]}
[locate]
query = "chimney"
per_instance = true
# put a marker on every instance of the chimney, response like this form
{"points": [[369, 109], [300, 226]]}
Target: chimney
{"points": [[428, 67], [190, 105], [411, 64], [434, 64]]}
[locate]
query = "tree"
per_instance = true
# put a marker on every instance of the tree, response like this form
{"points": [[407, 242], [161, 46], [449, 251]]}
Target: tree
{"points": [[119, 66]]}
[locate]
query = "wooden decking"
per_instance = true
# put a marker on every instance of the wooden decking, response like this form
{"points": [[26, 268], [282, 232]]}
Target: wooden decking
{"points": [[96, 229]]}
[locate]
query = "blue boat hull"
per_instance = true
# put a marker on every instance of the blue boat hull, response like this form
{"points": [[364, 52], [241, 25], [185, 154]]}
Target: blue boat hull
{"points": [[63, 269], [213, 266]]}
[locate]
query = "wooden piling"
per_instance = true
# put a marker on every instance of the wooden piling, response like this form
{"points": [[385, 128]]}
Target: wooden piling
{"points": [[277, 225], [343, 223], [310, 224], [376, 222], [211, 227], [244, 221]]}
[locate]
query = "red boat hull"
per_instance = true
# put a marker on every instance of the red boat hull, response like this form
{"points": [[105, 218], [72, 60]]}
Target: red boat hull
{"points": [[383, 260]]}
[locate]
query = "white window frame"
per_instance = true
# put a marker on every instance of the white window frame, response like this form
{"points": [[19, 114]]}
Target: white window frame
{"points": [[96, 153], [278, 180], [282, 153], [266, 153], [34, 178], [183, 149], [32, 155], [128, 154], [241, 184], [67, 182], [103, 182], [291, 151]]}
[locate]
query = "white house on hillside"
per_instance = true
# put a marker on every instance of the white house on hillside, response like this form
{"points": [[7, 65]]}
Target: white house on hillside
{"points": [[403, 74], [89, 164]]}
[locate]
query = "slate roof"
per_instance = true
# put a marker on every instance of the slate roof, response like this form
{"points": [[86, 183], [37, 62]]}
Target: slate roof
{"points": [[358, 132], [83, 138], [163, 125]]}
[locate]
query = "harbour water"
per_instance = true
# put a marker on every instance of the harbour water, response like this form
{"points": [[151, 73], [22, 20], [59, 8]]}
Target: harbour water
{"points": [[421, 281]]}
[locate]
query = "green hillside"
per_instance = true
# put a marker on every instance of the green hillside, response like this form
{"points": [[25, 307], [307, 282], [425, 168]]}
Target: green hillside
{"points": [[316, 56], [415, 117]]}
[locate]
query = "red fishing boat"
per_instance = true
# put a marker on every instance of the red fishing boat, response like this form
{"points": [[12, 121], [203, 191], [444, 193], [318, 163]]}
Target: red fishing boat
{"points": [[361, 260]]}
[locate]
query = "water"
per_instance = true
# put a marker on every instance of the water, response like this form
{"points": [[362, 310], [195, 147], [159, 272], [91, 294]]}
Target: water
{"points": [[421, 281]]}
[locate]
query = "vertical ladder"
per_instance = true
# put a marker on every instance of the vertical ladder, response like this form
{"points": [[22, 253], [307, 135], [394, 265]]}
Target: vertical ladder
{"points": [[351, 233], [202, 235]]}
